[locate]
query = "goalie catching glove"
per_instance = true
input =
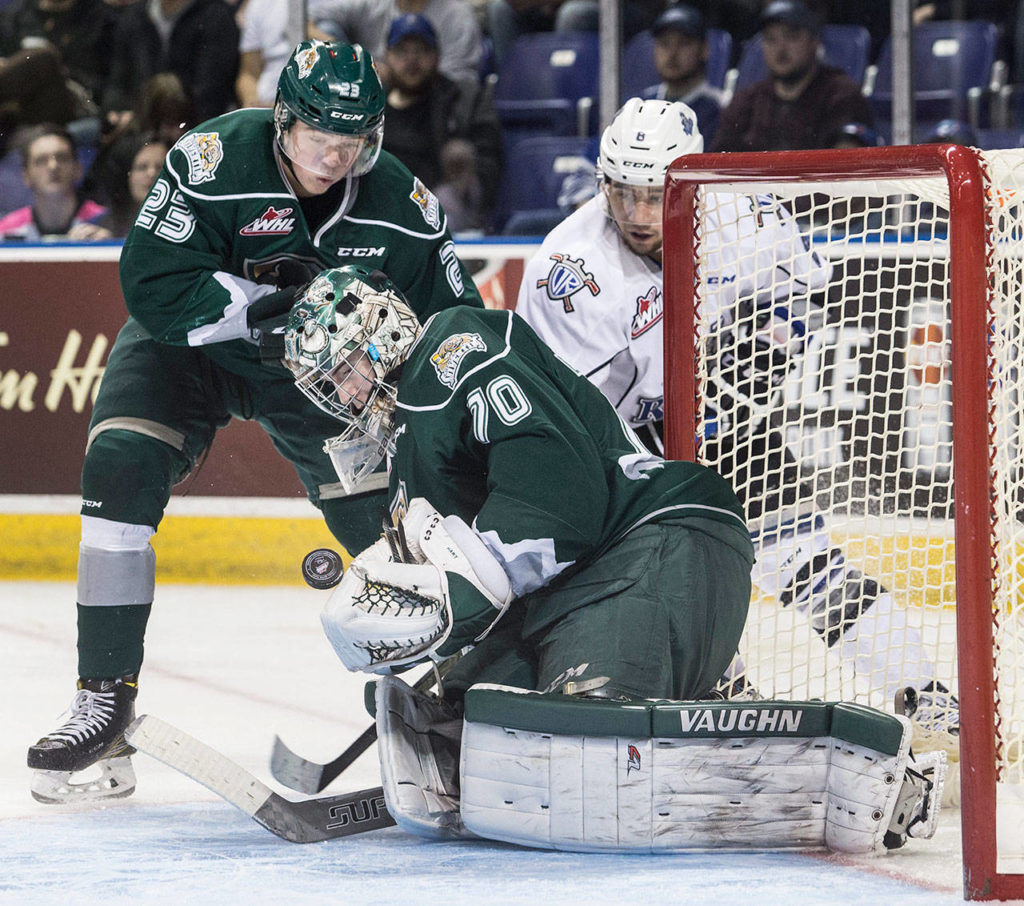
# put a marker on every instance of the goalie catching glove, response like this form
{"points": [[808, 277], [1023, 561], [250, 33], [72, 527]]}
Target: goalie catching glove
{"points": [[751, 358], [387, 613]]}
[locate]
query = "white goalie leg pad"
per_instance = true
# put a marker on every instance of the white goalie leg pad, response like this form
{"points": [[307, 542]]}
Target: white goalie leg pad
{"points": [[418, 741], [680, 776], [863, 789]]}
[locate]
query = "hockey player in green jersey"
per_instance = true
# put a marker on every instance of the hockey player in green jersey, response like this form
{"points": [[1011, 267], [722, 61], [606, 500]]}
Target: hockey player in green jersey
{"points": [[598, 588], [573, 537], [528, 519], [248, 207]]}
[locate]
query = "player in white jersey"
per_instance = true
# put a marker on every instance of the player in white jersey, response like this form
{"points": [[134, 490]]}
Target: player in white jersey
{"points": [[594, 294]]}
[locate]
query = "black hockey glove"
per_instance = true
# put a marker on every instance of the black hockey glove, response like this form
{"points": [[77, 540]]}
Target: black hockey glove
{"points": [[267, 318], [290, 272], [749, 368]]}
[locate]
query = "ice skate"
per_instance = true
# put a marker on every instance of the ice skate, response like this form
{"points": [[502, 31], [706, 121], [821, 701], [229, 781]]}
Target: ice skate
{"points": [[92, 738]]}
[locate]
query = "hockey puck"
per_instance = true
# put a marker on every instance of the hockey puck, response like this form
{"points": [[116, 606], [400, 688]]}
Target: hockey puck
{"points": [[322, 568]]}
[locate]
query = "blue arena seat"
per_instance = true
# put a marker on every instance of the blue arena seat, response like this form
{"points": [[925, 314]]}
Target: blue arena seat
{"points": [[845, 46], [952, 61], [548, 84], [638, 70], [534, 172], [989, 139]]}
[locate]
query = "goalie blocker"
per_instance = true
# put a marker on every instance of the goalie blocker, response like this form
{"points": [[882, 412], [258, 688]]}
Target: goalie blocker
{"points": [[559, 772]]}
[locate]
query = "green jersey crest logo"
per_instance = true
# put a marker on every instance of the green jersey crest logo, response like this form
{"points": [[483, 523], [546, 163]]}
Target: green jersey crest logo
{"points": [[449, 355], [428, 204], [204, 152]]}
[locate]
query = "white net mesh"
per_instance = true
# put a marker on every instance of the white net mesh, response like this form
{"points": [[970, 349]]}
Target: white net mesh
{"points": [[825, 397]]}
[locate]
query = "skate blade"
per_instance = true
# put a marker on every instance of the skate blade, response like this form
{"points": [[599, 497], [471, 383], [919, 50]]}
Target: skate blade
{"points": [[115, 781]]}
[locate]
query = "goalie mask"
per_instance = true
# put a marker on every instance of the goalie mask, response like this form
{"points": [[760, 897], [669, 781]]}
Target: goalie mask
{"points": [[636, 150], [346, 338], [329, 110]]}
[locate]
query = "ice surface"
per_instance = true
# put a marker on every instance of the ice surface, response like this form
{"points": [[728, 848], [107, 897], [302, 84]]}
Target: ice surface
{"points": [[234, 665]]}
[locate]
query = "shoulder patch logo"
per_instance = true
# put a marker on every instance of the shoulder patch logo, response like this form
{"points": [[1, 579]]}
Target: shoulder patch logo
{"points": [[566, 278], [649, 309], [449, 355], [430, 208], [305, 60], [271, 222], [204, 152]]}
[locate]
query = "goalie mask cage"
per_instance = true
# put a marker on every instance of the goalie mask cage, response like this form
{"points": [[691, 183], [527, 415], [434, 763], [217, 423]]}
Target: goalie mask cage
{"points": [[896, 387]]}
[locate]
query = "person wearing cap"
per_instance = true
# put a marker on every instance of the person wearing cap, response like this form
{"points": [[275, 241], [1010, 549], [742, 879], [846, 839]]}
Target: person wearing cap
{"points": [[446, 132], [955, 132], [680, 57], [857, 135], [367, 22], [803, 102]]}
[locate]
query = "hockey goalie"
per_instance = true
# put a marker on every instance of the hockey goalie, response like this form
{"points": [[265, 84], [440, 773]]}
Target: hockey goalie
{"points": [[597, 592]]}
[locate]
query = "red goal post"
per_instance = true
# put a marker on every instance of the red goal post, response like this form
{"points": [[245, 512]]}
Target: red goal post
{"points": [[934, 229]]}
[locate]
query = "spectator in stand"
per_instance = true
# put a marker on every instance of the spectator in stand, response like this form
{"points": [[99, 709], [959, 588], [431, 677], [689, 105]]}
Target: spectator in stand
{"points": [[857, 135], [165, 107], [197, 40], [51, 170], [164, 111], [680, 57], [140, 158], [367, 22], [803, 102], [956, 132], [446, 132], [508, 20], [265, 45], [53, 62]]}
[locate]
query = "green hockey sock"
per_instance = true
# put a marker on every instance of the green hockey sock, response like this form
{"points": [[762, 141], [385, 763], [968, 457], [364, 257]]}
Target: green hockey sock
{"points": [[110, 640]]}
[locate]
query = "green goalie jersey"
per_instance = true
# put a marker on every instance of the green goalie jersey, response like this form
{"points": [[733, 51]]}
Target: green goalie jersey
{"points": [[492, 426], [221, 218]]}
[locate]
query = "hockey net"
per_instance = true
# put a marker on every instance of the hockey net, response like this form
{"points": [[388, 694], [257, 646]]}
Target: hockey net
{"points": [[877, 440]]}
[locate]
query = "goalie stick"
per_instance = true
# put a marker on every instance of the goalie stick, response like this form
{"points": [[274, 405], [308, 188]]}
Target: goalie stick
{"points": [[305, 776], [305, 821]]}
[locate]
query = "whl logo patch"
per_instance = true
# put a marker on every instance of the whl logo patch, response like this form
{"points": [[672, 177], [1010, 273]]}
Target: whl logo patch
{"points": [[271, 222], [632, 759], [649, 309]]}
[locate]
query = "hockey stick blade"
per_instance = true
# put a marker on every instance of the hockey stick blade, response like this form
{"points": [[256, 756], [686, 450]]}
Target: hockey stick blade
{"points": [[310, 777], [298, 773], [306, 821]]}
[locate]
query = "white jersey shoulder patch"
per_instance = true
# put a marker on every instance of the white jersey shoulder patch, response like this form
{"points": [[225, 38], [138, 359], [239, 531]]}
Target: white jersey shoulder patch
{"points": [[567, 277]]}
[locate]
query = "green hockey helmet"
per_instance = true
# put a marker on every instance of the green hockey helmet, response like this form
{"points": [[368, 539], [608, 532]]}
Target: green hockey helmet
{"points": [[333, 88], [346, 338]]}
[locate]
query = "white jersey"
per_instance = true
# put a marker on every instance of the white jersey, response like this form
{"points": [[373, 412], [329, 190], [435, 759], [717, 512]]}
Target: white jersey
{"points": [[599, 305]]}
